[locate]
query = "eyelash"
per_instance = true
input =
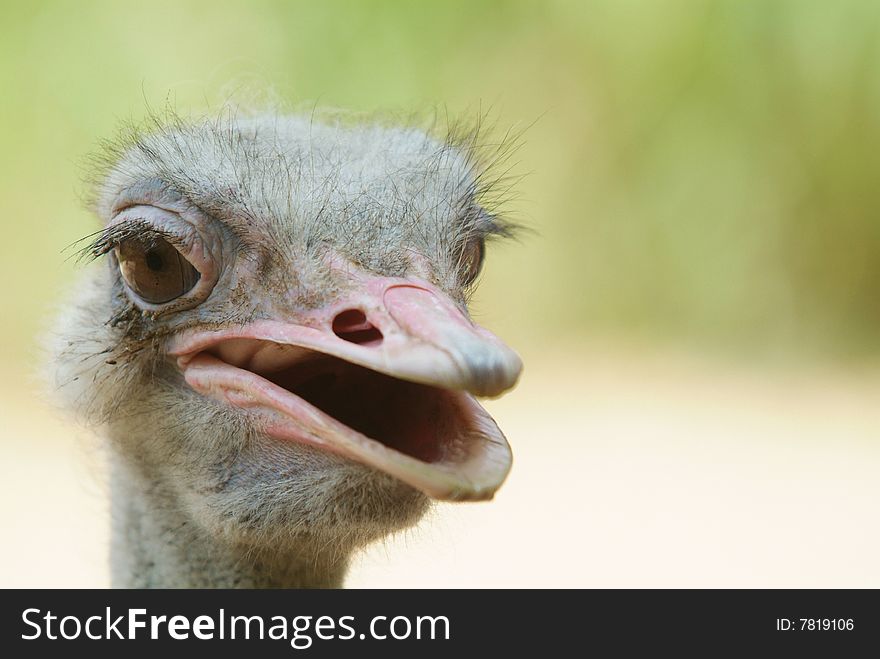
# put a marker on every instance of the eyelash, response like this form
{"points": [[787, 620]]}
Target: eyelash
{"points": [[108, 239]]}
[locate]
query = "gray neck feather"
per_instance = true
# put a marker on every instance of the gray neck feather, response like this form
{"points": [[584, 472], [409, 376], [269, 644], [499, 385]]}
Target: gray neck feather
{"points": [[157, 544]]}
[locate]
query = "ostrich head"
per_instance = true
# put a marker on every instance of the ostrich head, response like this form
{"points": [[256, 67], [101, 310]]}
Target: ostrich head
{"points": [[279, 340]]}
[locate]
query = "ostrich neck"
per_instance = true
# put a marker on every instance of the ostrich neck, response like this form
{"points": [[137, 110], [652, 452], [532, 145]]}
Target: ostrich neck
{"points": [[157, 544]]}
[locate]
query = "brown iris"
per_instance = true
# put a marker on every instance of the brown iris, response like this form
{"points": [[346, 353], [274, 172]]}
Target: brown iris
{"points": [[472, 260], [155, 270]]}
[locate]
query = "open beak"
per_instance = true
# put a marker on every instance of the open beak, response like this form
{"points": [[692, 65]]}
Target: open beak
{"points": [[385, 376]]}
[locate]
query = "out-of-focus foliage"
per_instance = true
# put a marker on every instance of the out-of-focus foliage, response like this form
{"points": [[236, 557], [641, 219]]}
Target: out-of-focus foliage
{"points": [[698, 172]]}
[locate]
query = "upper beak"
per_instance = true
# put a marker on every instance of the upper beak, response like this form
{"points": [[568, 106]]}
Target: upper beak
{"points": [[401, 327]]}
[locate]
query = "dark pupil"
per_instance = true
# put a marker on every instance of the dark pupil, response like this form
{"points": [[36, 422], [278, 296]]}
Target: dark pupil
{"points": [[155, 262]]}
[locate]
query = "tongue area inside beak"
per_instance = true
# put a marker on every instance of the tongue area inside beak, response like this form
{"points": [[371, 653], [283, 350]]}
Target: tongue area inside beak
{"points": [[438, 441]]}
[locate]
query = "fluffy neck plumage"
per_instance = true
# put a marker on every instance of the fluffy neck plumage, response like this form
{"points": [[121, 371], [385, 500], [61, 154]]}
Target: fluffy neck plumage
{"points": [[158, 544]]}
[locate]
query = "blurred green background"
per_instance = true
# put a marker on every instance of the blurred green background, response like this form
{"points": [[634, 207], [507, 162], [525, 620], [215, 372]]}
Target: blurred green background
{"points": [[697, 173], [701, 181]]}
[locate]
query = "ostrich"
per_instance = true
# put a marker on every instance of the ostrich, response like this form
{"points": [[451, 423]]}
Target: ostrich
{"points": [[278, 350]]}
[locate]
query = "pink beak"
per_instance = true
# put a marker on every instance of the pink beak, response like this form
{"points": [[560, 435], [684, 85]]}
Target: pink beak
{"points": [[403, 328]]}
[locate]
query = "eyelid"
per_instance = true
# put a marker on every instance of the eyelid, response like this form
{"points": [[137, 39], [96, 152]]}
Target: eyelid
{"points": [[135, 229], [136, 225], [150, 219]]}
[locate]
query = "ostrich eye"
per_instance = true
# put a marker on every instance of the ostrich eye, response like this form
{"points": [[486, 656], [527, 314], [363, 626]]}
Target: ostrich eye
{"points": [[155, 270], [472, 260]]}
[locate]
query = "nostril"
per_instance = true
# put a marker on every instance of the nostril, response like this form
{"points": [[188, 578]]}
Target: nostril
{"points": [[352, 326]]}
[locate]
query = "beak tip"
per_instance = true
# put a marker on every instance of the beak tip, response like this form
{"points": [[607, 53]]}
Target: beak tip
{"points": [[500, 375]]}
